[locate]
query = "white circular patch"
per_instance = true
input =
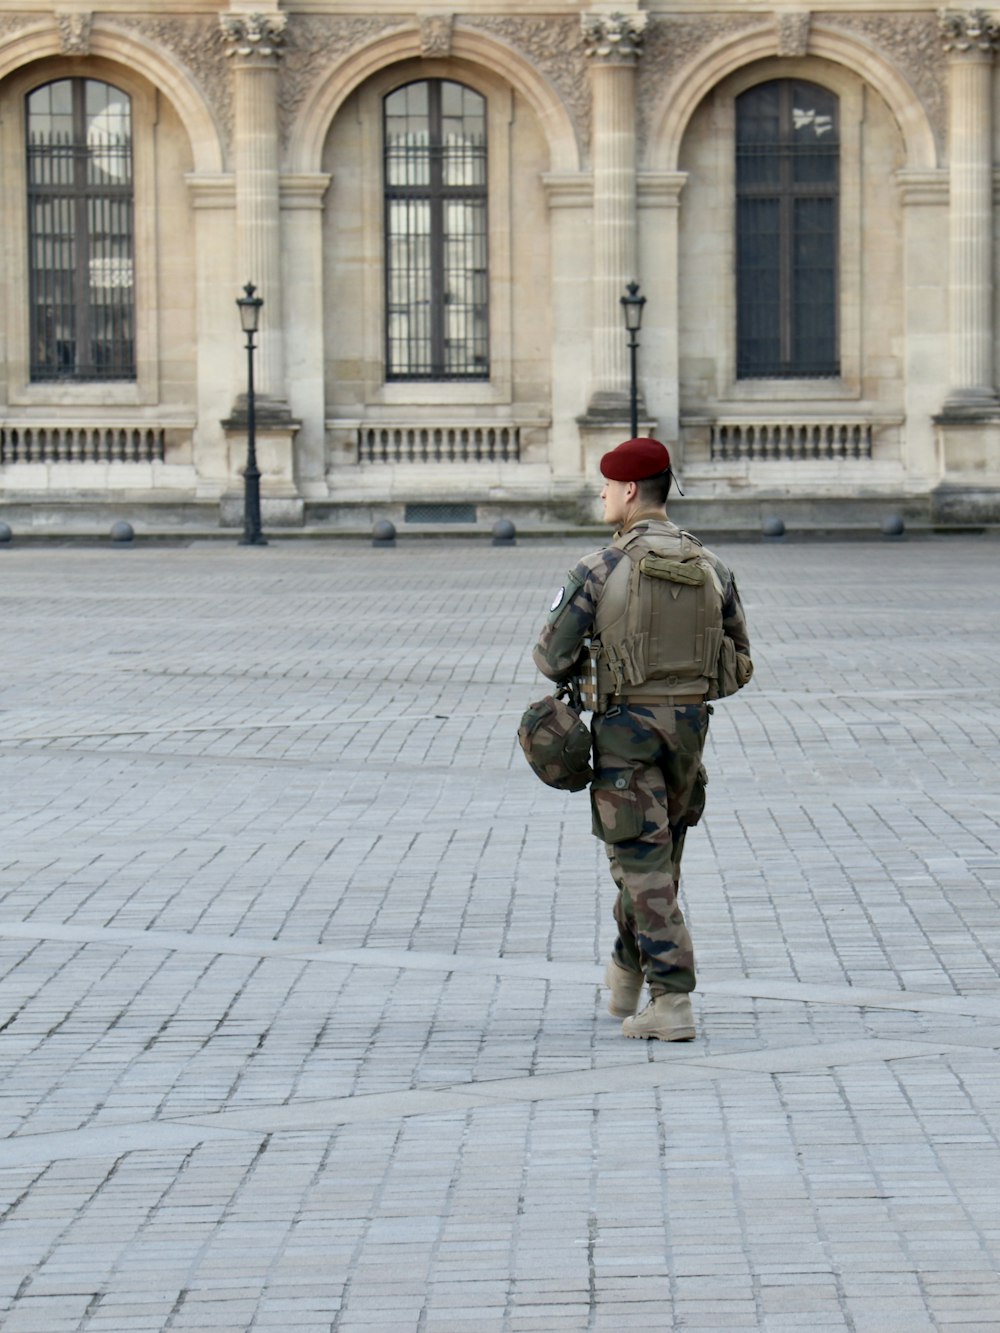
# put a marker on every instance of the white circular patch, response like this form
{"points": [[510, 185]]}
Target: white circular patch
{"points": [[558, 600]]}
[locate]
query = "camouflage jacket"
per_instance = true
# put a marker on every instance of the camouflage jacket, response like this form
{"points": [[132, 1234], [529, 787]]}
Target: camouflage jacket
{"points": [[562, 648]]}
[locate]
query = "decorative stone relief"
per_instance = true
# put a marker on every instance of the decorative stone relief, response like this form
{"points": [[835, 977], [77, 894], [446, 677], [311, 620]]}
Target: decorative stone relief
{"points": [[912, 42], [198, 44], [74, 32], [435, 34], [793, 33], [967, 30], [615, 38], [672, 43], [553, 46], [253, 34], [11, 24], [313, 46]]}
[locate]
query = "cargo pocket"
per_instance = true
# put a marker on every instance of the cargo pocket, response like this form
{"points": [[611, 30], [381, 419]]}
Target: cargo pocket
{"points": [[614, 801]]}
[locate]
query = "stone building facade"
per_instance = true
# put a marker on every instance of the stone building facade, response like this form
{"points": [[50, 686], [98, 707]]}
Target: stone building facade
{"points": [[441, 210]]}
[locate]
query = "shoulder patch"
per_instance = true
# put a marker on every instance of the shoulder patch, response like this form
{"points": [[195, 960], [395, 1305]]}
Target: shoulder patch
{"points": [[564, 596]]}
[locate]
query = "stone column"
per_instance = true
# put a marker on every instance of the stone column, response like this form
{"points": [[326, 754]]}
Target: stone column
{"points": [[969, 39], [614, 44], [254, 42]]}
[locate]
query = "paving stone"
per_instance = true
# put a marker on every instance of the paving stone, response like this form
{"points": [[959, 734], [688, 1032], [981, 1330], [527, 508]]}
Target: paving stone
{"points": [[300, 966]]}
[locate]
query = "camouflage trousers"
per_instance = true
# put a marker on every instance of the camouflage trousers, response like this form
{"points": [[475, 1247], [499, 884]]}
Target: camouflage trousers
{"points": [[648, 790]]}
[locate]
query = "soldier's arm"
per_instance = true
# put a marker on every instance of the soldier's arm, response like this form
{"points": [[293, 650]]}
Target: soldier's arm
{"points": [[734, 625], [734, 621], [561, 646]]}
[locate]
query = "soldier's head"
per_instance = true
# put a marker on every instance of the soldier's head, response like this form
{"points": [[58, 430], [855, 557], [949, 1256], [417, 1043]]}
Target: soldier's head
{"points": [[637, 479]]}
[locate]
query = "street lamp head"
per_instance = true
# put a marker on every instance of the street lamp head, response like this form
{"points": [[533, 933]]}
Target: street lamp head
{"points": [[249, 309], [632, 305]]}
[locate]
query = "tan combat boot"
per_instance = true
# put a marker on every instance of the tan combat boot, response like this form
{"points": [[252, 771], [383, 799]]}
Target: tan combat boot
{"points": [[625, 988], [668, 1017]]}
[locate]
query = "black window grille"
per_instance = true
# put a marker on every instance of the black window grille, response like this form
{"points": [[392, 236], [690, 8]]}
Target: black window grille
{"points": [[436, 300], [80, 232], [787, 172]]}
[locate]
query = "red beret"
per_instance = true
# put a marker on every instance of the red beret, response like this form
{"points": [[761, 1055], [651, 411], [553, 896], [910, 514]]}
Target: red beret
{"points": [[635, 460]]}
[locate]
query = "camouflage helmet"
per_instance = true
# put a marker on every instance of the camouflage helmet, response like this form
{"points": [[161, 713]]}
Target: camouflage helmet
{"points": [[556, 744]]}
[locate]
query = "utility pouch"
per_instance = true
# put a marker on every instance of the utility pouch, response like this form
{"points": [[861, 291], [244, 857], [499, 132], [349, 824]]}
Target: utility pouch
{"points": [[674, 571], [732, 672]]}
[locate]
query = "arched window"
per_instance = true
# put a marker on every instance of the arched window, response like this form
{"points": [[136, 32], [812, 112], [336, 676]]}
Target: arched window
{"points": [[80, 232], [436, 297], [787, 160]]}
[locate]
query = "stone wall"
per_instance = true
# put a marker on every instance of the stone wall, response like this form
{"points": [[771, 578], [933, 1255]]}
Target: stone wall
{"points": [[258, 147]]}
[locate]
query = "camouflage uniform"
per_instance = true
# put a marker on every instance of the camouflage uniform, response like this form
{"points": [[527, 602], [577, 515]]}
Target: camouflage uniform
{"points": [[649, 785]]}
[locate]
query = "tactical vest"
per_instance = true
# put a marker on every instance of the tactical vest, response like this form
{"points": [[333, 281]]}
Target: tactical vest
{"points": [[658, 626]]}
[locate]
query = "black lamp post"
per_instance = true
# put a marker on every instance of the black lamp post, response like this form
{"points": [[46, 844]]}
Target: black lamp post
{"points": [[249, 306], [632, 305]]}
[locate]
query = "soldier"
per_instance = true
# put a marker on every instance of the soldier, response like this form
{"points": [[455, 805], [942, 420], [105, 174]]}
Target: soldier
{"points": [[651, 627]]}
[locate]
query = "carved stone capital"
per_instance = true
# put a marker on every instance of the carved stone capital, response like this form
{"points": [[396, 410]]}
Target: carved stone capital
{"points": [[793, 33], [435, 34], [74, 32], [968, 32], [614, 38], [253, 34]]}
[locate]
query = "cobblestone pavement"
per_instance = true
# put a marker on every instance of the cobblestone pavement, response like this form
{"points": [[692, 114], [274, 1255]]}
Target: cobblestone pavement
{"points": [[299, 964]]}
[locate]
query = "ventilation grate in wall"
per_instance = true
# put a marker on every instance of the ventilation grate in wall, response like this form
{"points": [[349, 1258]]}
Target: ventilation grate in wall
{"points": [[440, 512]]}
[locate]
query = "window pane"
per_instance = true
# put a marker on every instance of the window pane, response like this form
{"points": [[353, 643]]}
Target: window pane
{"points": [[409, 285], [50, 113], [787, 157], [759, 289], [80, 241], [407, 136], [436, 232], [465, 285], [814, 284]]}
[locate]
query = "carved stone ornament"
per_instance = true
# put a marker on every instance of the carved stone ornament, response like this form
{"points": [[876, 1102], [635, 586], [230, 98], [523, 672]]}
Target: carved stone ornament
{"points": [[435, 34], [968, 30], [197, 43], [314, 45], [552, 44], [74, 32], [912, 43], [793, 33], [617, 38], [254, 34], [670, 45], [11, 24]]}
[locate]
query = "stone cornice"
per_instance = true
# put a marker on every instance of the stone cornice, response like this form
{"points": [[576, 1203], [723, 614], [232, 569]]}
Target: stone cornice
{"points": [[304, 190], [660, 189], [922, 187], [569, 190], [216, 191]]}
